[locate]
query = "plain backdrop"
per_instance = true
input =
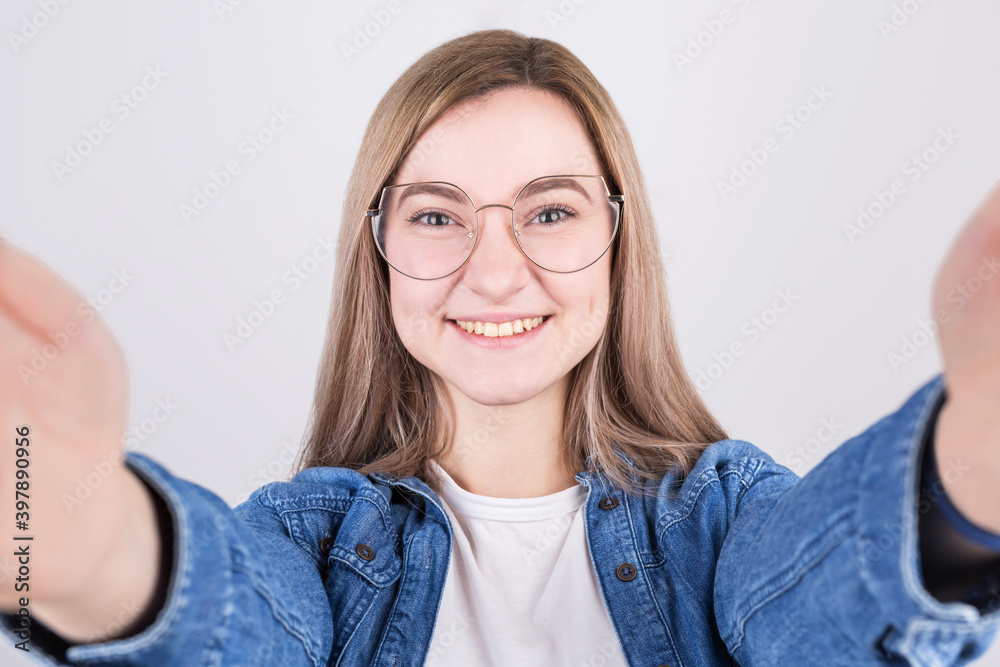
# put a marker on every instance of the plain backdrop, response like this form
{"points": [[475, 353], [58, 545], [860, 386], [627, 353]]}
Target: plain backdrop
{"points": [[115, 115]]}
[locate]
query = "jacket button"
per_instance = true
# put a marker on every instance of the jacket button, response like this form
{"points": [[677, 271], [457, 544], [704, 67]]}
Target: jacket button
{"points": [[325, 545], [626, 572], [365, 551], [608, 503]]}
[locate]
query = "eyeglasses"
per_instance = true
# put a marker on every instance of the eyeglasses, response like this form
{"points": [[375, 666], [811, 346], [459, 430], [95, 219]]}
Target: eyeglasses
{"points": [[562, 223]]}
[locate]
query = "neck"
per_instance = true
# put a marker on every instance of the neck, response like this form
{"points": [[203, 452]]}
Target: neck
{"points": [[510, 451]]}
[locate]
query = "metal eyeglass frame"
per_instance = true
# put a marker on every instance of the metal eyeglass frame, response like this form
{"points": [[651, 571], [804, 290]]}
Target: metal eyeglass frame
{"points": [[617, 200]]}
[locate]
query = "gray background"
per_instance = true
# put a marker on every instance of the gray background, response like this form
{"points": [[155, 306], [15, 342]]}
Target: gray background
{"points": [[239, 414]]}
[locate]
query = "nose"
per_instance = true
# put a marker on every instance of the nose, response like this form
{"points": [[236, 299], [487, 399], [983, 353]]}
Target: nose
{"points": [[497, 268]]}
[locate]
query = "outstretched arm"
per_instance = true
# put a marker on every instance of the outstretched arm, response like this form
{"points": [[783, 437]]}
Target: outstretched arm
{"points": [[63, 409], [239, 588], [851, 565]]}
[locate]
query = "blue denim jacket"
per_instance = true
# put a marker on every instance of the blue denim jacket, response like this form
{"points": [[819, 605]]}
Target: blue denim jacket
{"points": [[739, 562]]}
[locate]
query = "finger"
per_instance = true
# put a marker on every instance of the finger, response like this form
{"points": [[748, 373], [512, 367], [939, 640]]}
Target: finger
{"points": [[982, 232], [32, 295], [15, 365], [17, 343]]}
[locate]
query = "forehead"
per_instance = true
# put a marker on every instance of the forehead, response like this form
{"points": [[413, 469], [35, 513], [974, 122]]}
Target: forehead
{"points": [[492, 146]]}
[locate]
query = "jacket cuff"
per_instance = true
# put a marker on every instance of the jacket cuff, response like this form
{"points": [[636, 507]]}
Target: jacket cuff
{"points": [[924, 628], [197, 520], [54, 646]]}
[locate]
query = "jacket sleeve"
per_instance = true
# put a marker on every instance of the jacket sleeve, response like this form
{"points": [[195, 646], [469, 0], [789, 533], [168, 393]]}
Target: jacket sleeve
{"points": [[240, 591], [826, 569]]}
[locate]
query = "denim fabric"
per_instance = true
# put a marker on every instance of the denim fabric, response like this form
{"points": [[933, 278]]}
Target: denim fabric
{"points": [[739, 562]]}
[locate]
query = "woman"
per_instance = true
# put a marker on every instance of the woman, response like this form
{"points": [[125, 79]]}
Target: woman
{"points": [[508, 463]]}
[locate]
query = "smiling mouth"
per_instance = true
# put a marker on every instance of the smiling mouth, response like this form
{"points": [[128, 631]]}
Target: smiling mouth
{"points": [[497, 329]]}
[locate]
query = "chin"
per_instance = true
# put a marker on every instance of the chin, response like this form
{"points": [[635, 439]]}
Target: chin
{"points": [[489, 389]]}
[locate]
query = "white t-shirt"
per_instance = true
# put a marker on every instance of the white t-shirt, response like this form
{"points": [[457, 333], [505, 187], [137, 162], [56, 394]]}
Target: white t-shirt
{"points": [[520, 589]]}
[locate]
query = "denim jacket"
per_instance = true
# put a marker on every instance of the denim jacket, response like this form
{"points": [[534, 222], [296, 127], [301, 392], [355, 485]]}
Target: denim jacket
{"points": [[738, 562]]}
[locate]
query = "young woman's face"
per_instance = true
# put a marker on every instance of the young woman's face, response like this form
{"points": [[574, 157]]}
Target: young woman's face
{"points": [[490, 149]]}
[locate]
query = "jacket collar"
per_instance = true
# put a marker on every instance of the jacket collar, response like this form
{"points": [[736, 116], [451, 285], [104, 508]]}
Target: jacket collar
{"points": [[587, 477]]}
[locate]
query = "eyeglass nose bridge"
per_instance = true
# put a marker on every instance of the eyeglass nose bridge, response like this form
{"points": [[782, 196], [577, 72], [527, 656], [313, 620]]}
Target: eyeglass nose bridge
{"points": [[513, 227], [509, 208]]}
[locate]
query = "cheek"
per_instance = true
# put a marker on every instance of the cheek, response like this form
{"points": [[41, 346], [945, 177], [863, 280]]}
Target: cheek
{"points": [[415, 309], [585, 305]]}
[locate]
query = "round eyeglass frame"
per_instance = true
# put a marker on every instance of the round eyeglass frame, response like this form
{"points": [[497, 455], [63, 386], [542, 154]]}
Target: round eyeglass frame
{"points": [[618, 201]]}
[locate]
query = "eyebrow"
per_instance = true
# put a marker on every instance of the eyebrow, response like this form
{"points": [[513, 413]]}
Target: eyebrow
{"points": [[530, 190], [555, 184], [431, 189]]}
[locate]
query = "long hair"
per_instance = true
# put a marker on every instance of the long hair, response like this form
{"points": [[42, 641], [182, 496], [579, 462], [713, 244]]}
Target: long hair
{"points": [[377, 409]]}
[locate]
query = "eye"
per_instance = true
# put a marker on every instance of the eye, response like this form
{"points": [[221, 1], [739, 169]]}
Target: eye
{"points": [[433, 218], [553, 215]]}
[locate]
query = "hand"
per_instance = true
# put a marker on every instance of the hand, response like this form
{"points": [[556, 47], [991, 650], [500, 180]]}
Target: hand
{"points": [[63, 375], [61, 370], [967, 307]]}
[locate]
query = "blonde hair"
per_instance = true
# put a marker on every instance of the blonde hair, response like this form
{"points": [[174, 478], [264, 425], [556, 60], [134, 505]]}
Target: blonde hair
{"points": [[377, 409]]}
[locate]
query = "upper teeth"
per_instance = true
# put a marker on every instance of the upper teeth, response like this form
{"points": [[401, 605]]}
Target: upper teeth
{"points": [[494, 329]]}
